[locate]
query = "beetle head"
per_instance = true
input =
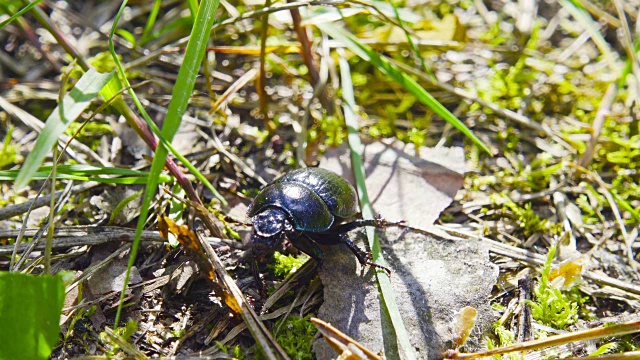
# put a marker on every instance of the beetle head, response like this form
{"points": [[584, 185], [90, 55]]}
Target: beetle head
{"points": [[269, 229]]}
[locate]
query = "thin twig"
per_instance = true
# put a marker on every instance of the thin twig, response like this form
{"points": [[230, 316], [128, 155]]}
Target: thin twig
{"points": [[52, 214], [234, 88], [584, 335], [60, 204], [526, 256], [10, 211], [309, 61], [616, 213], [598, 123], [46, 22], [82, 236], [262, 83], [318, 92], [600, 14], [246, 169]]}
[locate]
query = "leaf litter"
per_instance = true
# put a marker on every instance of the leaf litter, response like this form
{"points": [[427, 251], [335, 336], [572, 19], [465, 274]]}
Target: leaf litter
{"points": [[548, 105]]}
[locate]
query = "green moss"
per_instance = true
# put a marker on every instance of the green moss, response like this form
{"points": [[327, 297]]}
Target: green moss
{"points": [[528, 220], [552, 307], [124, 333], [504, 338], [90, 134], [295, 337], [286, 264], [234, 352], [8, 153], [331, 129]]}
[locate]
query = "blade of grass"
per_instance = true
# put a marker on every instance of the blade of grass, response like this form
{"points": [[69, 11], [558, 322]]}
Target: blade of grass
{"points": [[19, 13], [155, 129], [151, 21], [185, 82], [384, 283], [73, 104], [83, 170], [52, 212], [412, 44], [112, 91], [121, 205], [590, 26], [625, 205], [385, 66], [120, 180], [87, 173]]}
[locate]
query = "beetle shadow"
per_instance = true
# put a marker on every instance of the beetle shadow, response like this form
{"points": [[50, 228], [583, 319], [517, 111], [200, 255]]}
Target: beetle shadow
{"points": [[351, 296], [348, 297], [419, 300]]}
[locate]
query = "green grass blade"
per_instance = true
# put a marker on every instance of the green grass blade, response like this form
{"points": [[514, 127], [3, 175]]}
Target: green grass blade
{"points": [[185, 82], [142, 178], [19, 13], [385, 66], [79, 170], [151, 21], [384, 283], [85, 170], [390, 9], [625, 205], [30, 308], [73, 104], [121, 205], [414, 47], [582, 16], [114, 87]]}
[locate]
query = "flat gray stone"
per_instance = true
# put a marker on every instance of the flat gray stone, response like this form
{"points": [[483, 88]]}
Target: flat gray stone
{"points": [[111, 277], [433, 278], [402, 185]]}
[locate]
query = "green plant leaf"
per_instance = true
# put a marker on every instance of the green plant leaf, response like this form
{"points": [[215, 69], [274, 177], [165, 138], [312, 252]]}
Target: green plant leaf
{"points": [[395, 332], [385, 66], [185, 83], [88, 173], [19, 13], [114, 87], [30, 308], [73, 104]]}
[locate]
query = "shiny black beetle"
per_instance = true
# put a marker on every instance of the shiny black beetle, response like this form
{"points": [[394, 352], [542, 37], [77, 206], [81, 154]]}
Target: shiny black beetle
{"points": [[308, 206]]}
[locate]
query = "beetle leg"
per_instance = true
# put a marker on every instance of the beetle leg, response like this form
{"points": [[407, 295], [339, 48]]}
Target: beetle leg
{"points": [[378, 222], [260, 284], [305, 244], [364, 257]]}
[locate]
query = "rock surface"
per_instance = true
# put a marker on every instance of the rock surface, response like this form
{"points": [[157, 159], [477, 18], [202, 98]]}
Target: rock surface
{"points": [[433, 276]]}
